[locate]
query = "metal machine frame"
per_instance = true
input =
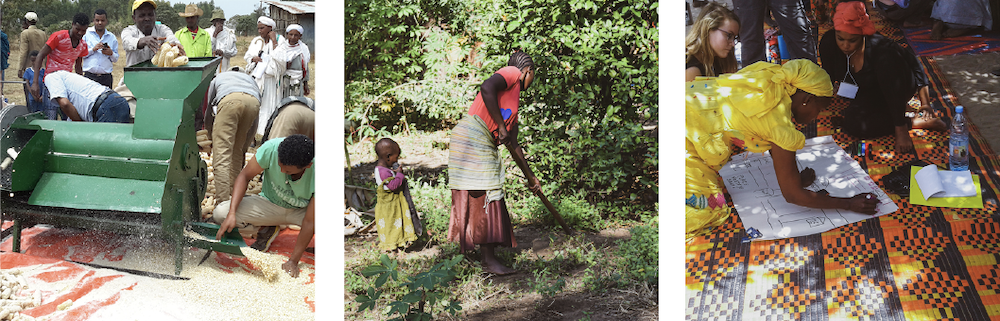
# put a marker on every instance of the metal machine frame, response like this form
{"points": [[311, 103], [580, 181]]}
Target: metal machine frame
{"points": [[144, 178]]}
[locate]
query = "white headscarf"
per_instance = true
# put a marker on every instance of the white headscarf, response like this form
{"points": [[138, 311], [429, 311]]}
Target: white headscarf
{"points": [[295, 27], [266, 21]]}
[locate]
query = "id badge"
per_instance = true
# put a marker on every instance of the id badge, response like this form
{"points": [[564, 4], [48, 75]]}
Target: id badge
{"points": [[847, 90]]}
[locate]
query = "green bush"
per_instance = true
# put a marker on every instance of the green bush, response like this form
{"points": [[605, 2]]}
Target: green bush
{"points": [[574, 210], [640, 254], [434, 203], [417, 64], [426, 290], [596, 66]]}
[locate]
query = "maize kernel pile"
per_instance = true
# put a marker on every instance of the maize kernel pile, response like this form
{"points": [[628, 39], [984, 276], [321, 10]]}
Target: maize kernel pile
{"points": [[12, 283], [224, 287], [269, 265]]}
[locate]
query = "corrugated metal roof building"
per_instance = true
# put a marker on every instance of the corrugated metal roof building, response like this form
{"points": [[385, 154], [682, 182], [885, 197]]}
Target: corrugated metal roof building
{"points": [[303, 13]]}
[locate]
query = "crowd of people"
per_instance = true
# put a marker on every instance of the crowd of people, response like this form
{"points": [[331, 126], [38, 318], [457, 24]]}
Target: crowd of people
{"points": [[278, 63], [69, 75], [757, 107]]}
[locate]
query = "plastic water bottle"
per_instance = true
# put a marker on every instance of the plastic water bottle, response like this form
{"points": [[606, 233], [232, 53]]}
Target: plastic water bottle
{"points": [[958, 142]]}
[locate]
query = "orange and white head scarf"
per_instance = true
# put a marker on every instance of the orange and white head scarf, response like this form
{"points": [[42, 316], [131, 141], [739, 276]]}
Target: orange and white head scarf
{"points": [[852, 18]]}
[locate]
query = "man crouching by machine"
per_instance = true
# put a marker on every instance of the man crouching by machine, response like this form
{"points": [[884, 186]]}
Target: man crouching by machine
{"points": [[287, 197], [82, 99]]}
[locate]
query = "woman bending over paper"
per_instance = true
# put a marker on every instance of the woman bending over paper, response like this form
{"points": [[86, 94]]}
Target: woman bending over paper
{"points": [[754, 109]]}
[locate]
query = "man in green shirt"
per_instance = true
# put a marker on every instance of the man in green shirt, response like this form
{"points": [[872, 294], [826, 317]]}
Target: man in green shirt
{"points": [[196, 41], [287, 196]]}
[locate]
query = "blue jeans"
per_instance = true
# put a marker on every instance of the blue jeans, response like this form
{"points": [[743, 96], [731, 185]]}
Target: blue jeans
{"points": [[114, 109]]}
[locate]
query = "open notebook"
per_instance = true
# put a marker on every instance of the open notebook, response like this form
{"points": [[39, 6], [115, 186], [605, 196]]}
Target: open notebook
{"points": [[935, 183]]}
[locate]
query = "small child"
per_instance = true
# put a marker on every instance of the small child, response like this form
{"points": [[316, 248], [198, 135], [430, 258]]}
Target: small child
{"points": [[395, 228], [46, 106]]}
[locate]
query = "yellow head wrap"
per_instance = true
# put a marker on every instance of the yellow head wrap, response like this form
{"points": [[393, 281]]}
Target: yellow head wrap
{"points": [[760, 87]]}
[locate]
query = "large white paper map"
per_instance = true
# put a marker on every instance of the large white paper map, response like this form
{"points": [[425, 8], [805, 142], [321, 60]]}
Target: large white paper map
{"points": [[753, 186]]}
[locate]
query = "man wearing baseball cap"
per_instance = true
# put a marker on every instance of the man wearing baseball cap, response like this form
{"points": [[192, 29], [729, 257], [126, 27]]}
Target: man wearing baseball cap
{"points": [[223, 39], [32, 39], [195, 40], [144, 38]]}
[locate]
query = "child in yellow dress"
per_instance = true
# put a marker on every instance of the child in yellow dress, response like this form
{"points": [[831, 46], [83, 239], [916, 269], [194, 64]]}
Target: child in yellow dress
{"points": [[395, 228]]}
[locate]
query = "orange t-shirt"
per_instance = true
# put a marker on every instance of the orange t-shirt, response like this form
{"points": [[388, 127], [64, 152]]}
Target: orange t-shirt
{"points": [[63, 55], [508, 100]]}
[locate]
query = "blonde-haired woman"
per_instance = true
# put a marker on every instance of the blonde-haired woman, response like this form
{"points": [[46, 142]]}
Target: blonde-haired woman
{"points": [[710, 43]]}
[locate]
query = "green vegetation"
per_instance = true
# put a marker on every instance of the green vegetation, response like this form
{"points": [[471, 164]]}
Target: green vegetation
{"points": [[55, 15], [587, 125], [418, 65], [569, 264], [426, 289]]}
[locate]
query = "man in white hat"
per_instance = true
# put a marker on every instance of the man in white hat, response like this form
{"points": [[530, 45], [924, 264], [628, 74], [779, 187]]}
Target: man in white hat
{"points": [[195, 40], [144, 38], [32, 39], [295, 58], [223, 39], [264, 69]]}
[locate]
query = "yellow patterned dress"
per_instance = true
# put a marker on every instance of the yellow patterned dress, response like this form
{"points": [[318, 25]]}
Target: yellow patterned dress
{"points": [[395, 229], [748, 110]]}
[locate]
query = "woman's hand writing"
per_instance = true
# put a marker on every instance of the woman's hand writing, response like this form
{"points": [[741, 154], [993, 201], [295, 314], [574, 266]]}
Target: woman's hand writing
{"points": [[863, 203]]}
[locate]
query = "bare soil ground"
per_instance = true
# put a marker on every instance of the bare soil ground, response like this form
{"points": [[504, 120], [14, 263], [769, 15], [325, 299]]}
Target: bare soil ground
{"points": [[977, 90]]}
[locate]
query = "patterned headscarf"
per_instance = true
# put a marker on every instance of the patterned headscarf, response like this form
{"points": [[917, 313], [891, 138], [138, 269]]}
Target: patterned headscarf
{"points": [[762, 86], [852, 18]]}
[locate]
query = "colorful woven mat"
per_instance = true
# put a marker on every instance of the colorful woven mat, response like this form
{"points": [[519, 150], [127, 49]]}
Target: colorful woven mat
{"points": [[919, 263], [968, 44]]}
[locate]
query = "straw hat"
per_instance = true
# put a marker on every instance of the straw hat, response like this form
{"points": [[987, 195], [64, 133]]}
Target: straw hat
{"points": [[218, 14], [191, 10]]}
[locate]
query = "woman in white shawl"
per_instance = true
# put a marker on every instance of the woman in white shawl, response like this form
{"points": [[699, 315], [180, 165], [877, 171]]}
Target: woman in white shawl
{"points": [[295, 54], [262, 66]]}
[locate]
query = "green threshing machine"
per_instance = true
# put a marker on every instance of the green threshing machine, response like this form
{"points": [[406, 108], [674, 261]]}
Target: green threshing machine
{"points": [[144, 178]]}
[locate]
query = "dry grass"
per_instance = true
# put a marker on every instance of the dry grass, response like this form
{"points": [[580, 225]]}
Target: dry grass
{"points": [[15, 92]]}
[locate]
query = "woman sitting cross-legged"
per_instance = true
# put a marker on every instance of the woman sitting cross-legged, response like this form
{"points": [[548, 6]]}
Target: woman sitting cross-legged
{"points": [[886, 77]]}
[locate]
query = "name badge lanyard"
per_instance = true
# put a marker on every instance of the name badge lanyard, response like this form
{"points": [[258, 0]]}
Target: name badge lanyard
{"points": [[855, 81], [848, 90]]}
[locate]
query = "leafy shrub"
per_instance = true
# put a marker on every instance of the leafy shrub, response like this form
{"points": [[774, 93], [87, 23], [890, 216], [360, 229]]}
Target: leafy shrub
{"points": [[434, 205], [574, 210], [426, 289], [597, 85], [585, 121], [640, 254]]}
